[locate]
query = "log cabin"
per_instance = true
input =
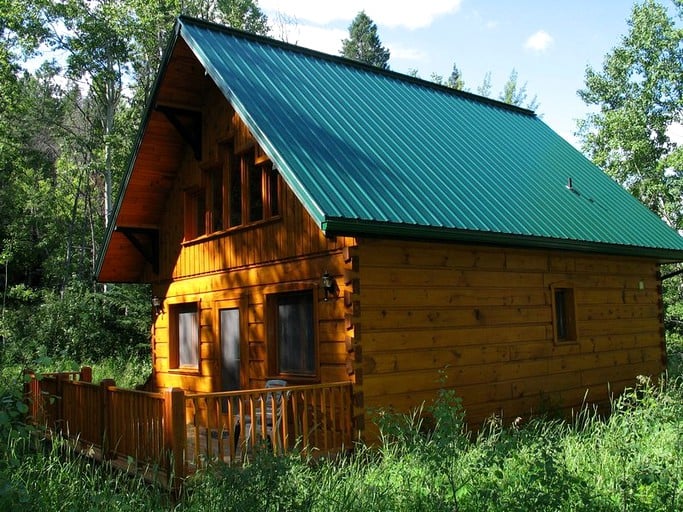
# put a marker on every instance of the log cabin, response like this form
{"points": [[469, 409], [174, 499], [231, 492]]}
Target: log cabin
{"points": [[309, 218]]}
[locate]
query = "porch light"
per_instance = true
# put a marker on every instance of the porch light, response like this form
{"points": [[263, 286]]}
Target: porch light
{"points": [[329, 285], [157, 305]]}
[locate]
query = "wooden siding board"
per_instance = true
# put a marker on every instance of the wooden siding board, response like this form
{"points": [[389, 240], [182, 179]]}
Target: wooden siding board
{"points": [[416, 297], [395, 318]]}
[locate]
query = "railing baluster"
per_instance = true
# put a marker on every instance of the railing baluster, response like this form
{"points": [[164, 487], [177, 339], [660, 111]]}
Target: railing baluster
{"points": [[306, 432], [334, 416]]}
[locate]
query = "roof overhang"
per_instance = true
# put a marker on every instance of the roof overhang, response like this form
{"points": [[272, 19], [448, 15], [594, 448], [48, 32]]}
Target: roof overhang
{"points": [[169, 128], [359, 228]]}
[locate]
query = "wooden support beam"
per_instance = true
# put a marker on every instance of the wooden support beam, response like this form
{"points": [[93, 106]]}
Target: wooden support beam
{"points": [[189, 125], [150, 250]]}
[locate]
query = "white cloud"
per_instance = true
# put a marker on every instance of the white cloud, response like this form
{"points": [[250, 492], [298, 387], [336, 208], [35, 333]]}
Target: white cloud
{"points": [[329, 40], [675, 132], [392, 13], [493, 24], [399, 51], [326, 40], [539, 41]]}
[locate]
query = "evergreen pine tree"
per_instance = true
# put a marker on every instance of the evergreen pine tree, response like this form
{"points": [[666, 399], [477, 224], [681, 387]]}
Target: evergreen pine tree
{"points": [[363, 43]]}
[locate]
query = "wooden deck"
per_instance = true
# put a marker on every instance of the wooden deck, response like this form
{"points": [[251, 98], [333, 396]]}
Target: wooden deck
{"points": [[175, 433]]}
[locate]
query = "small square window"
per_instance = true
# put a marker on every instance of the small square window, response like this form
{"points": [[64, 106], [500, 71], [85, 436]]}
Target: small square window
{"points": [[564, 314]]}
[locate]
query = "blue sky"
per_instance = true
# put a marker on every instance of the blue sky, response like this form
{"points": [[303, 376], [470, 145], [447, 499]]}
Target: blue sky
{"points": [[549, 43]]}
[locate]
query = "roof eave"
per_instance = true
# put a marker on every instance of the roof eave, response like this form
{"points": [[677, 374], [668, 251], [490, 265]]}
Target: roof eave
{"points": [[361, 228]]}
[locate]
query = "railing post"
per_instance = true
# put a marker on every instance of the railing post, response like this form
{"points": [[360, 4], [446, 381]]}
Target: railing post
{"points": [[105, 415], [59, 402], [30, 395], [174, 435], [86, 374]]}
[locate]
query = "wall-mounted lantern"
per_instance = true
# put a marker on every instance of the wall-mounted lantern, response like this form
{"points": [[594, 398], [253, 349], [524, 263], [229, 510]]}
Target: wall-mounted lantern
{"points": [[329, 286], [157, 304]]}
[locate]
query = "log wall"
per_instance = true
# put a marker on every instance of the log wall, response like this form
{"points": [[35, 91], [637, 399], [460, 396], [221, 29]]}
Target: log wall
{"points": [[480, 320]]}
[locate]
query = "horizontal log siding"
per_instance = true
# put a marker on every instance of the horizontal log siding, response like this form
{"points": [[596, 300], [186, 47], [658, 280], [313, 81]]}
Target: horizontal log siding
{"points": [[479, 320], [280, 254]]}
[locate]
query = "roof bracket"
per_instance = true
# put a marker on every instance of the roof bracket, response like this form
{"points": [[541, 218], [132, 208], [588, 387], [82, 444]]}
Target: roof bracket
{"points": [[149, 247], [188, 123]]}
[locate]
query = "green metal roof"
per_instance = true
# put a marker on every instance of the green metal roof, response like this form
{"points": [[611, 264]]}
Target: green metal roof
{"points": [[372, 152]]}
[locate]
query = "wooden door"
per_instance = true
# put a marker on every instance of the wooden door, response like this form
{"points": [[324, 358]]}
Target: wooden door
{"points": [[230, 340]]}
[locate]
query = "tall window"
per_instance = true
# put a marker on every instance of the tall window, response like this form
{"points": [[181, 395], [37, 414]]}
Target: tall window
{"points": [[294, 333], [564, 314], [215, 188], [255, 192], [184, 336], [195, 213], [230, 348], [244, 190], [235, 198], [274, 193]]}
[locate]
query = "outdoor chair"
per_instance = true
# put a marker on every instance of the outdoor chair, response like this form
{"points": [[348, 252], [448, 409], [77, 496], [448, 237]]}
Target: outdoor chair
{"points": [[264, 415]]}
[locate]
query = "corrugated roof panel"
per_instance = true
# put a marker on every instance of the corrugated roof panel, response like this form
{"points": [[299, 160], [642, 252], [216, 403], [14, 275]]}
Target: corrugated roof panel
{"points": [[359, 144]]}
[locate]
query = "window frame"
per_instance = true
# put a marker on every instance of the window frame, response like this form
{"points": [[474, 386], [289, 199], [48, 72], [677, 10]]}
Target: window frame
{"points": [[215, 189], [249, 166], [563, 301], [194, 214], [175, 310], [273, 334], [270, 206]]}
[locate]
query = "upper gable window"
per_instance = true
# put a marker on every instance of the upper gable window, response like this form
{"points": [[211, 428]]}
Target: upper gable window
{"points": [[243, 190], [195, 213], [216, 187]]}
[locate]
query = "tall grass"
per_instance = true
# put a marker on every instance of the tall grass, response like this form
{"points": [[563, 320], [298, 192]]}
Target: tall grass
{"points": [[628, 462], [53, 477]]}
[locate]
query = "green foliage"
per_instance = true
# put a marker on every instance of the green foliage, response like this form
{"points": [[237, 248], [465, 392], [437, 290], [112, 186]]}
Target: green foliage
{"points": [[61, 479], [364, 44], [79, 324], [485, 88], [637, 96], [514, 94], [243, 14], [13, 407], [455, 80]]}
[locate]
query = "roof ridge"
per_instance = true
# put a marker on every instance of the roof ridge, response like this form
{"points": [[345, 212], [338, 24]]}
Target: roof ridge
{"points": [[355, 63]]}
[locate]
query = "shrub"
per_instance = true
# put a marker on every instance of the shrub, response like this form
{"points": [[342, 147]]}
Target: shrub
{"points": [[77, 324]]}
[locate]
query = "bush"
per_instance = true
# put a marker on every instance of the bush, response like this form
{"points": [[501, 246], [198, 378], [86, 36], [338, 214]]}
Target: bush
{"points": [[78, 324]]}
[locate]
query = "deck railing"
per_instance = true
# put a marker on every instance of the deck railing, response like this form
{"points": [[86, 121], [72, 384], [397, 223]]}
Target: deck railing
{"points": [[173, 433], [228, 426]]}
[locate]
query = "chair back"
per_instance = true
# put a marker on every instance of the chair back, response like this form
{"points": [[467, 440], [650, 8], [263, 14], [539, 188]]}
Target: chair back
{"points": [[274, 383]]}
